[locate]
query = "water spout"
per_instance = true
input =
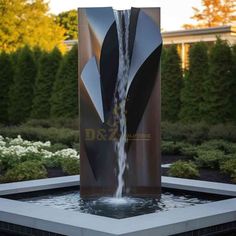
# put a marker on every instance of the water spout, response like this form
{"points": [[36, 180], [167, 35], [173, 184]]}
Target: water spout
{"points": [[122, 18]]}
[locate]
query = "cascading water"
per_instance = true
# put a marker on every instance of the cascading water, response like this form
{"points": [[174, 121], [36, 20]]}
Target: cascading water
{"points": [[122, 18]]}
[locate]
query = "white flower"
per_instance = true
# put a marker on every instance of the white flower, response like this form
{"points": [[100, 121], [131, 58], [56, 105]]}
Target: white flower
{"points": [[69, 152], [18, 147], [2, 143], [46, 154]]}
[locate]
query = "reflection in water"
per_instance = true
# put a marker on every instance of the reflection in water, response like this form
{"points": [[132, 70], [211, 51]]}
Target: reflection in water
{"points": [[117, 207]]}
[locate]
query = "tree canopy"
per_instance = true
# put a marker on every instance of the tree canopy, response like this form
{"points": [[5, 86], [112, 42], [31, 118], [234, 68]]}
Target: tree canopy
{"points": [[28, 23], [69, 21], [214, 13]]}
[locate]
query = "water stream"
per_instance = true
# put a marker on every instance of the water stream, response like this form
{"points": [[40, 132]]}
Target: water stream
{"points": [[122, 18]]}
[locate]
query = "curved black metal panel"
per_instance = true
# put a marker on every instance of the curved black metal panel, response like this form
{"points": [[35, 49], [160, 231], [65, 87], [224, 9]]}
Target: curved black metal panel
{"points": [[140, 91], [109, 62], [147, 39]]}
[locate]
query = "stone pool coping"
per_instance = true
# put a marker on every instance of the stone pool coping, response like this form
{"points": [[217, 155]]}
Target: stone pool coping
{"points": [[39, 185], [79, 224], [74, 180]]}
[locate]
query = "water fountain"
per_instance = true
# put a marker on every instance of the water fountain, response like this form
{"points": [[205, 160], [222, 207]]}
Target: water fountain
{"points": [[119, 187], [119, 53]]}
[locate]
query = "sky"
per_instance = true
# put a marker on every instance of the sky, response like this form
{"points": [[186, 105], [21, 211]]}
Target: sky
{"points": [[174, 13]]}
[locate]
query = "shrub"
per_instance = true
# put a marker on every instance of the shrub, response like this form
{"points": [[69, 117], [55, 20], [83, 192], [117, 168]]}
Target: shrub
{"points": [[229, 166], [68, 123], [7, 162], [76, 146], [52, 162], [10, 161], [197, 133], [220, 144], [191, 133], [170, 147], [223, 131], [183, 169], [209, 158], [18, 150], [63, 135], [56, 147], [189, 151], [28, 170], [70, 165]]}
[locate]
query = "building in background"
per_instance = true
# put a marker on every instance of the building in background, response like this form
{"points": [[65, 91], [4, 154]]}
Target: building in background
{"points": [[185, 38]]}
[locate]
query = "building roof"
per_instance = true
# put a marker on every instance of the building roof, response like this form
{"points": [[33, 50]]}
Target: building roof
{"points": [[191, 32]]}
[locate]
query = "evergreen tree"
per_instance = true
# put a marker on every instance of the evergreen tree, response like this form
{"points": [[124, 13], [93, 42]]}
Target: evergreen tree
{"points": [[48, 67], [64, 101], [37, 53], [217, 106], [171, 84], [233, 90], [21, 93], [191, 94], [6, 78]]}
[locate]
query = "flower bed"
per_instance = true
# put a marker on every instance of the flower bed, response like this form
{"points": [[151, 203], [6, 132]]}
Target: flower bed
{"points": [[24, 160]]}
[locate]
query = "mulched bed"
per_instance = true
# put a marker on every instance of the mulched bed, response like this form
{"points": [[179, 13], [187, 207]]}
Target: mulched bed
{"points": [[205, 174], [167, 159]]}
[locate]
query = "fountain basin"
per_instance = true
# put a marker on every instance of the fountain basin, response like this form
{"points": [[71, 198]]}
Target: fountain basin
{"points": [[119, 208], [25, 217]]}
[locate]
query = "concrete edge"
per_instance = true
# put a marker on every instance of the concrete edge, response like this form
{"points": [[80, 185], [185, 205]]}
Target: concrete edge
{"points": [[74, 180], [181, 220], [78, 224], [51, 219], [199, 186], [38, 185]]}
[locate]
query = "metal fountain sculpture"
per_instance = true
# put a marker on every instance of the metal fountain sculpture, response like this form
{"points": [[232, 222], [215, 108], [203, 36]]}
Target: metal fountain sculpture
{"points": [[119, 87]]}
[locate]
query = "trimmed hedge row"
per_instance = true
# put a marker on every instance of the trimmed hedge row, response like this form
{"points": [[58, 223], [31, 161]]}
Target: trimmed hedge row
{"points": [[198, 132], [64, 136]]}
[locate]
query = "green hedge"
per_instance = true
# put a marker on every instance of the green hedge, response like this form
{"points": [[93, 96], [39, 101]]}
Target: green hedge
{"points": [[55, 135], [28, 170], [198, 132]]}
